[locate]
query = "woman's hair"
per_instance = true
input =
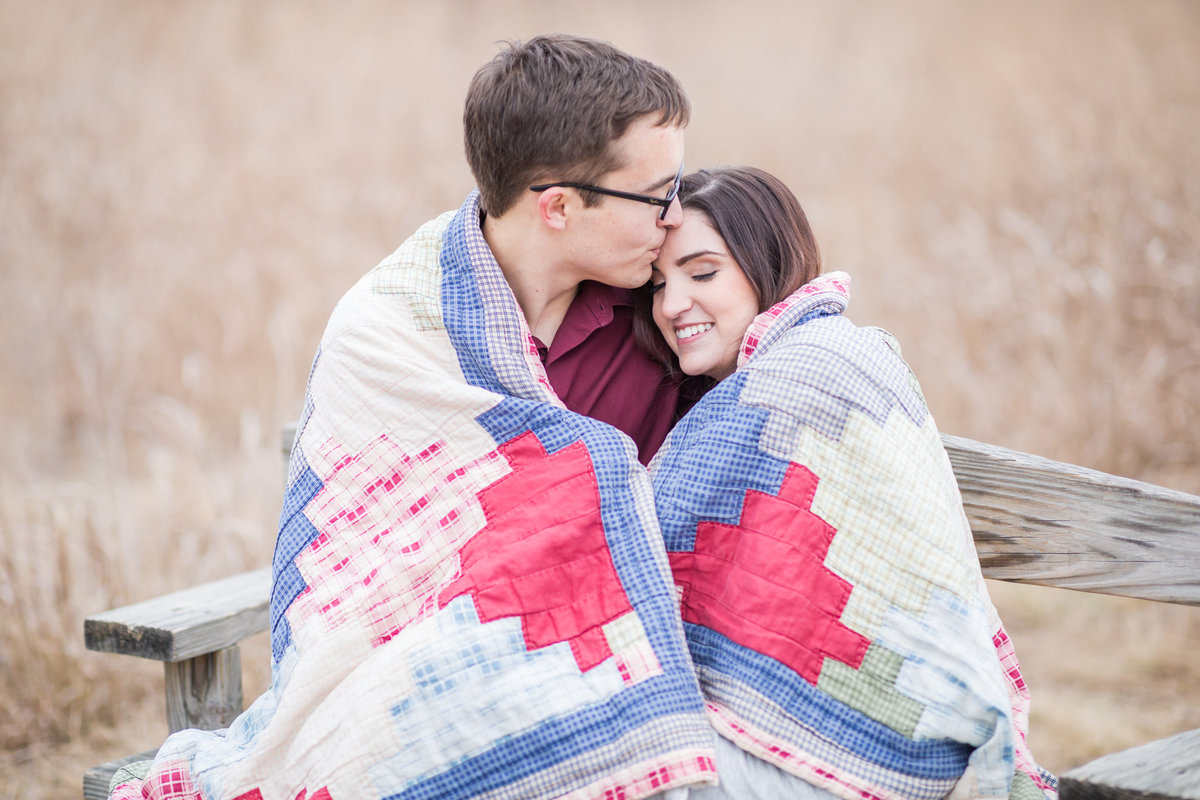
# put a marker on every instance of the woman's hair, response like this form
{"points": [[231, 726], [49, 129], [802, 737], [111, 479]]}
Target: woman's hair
{"points": [[552, 107], [765, 230]]}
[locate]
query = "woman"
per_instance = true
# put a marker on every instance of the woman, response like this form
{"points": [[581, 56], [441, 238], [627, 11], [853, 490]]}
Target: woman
{"points": [[829, 586]]}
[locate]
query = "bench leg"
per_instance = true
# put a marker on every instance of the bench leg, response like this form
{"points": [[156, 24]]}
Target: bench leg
{"points": [[204, 692]]}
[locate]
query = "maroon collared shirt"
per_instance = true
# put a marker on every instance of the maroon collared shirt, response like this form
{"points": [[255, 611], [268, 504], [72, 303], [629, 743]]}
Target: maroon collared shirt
{"points": [[596, 368]]}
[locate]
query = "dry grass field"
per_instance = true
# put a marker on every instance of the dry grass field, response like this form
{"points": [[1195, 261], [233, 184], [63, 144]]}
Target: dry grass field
{"points": [[186, 188]]}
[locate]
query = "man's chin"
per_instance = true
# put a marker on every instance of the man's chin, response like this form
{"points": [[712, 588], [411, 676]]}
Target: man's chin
{"points": [[638, 279], [626, 279]]}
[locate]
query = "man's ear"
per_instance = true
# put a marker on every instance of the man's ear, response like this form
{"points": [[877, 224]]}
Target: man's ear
{"points": [[553, 206]]}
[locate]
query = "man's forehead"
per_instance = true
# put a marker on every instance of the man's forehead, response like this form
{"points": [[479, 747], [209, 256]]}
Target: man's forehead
{"points": [[650, 153]]}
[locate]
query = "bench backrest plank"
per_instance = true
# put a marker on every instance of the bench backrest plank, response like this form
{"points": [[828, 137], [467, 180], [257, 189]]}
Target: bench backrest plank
{"points": [[1164, 769], [1040, 521]]}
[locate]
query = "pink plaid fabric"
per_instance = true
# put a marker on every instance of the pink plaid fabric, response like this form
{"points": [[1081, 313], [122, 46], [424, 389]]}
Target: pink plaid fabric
{"points": [[835, 283]]}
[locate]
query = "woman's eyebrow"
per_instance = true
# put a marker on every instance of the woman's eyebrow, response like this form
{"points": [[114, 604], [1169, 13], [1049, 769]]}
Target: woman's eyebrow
{"points": [[679, 262]]}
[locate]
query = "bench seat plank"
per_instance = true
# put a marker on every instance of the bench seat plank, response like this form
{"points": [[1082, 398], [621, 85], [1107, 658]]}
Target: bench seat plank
{"points": [[96, 779], [181, 625], [1167, 768]]}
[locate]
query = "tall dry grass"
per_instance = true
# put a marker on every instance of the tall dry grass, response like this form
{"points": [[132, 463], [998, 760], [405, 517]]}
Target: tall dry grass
{"points": [[186, 189]]}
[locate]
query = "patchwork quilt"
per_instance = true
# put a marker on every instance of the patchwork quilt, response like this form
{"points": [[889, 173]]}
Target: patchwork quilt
{"points": [[829, 586], [471, 596]]}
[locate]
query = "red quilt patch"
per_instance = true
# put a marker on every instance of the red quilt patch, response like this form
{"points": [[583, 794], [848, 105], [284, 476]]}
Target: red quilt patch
{"points": [[543, 555], [763, 583]]}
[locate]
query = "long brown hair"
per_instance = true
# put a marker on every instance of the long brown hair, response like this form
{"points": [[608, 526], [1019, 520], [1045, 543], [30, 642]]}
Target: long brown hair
{"points": [[767, 234]]}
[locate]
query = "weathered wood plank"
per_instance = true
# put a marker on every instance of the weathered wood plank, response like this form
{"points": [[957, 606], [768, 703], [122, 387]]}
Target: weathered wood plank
{"points": [[1046, 522], [287, 437], [96, 779], [204, 692], [1167, 768], [199, 620]]}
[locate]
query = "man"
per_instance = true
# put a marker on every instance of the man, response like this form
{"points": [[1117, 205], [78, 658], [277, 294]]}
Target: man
{"points": [[570, 253], [470, 594]]}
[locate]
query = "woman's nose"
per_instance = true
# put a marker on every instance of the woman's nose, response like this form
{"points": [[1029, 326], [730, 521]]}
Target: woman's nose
{"points": [[675, 300]]}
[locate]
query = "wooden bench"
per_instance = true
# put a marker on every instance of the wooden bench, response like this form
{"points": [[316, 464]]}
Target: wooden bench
{"points": [[1034, 521]]}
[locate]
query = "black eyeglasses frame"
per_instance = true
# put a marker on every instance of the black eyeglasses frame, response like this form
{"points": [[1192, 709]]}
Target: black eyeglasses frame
{"points": [[662, 202]]}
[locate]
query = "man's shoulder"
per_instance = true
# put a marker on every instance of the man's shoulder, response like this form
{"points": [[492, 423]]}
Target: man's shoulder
{"points": [[409, 276], [421, 250], [413, 271], [418, 253]]}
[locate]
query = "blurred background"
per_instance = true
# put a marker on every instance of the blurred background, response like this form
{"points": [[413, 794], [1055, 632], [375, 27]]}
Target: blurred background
{"points": [[186, 189]]}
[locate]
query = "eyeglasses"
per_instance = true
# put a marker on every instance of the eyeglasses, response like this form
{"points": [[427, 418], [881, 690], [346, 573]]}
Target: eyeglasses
{"points": [[663, 202]]}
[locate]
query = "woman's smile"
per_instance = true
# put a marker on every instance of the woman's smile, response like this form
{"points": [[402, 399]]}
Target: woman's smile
{"points": [[691, 331]]}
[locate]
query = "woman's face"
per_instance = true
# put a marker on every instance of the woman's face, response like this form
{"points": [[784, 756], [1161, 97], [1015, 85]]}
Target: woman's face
{"points": [[702, 300]]}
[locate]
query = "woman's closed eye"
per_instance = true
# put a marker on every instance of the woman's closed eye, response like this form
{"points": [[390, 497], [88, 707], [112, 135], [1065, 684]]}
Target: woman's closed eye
{"points": [[705, 276], [656, 287]]}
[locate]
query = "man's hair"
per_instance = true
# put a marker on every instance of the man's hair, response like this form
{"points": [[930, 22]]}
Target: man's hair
{"points": [[765, 230], [550, 108]]}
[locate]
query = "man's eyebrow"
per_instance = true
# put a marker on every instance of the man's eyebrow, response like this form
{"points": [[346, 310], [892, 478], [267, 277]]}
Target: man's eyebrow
{"points": [[661, 183]]}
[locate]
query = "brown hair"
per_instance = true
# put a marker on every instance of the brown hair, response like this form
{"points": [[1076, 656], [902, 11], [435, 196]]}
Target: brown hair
{"points": [[763, 226], [551, 108]]}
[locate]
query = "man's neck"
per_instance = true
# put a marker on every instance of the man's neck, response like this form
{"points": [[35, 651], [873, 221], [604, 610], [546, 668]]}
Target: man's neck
{"points": [[542, 290]]}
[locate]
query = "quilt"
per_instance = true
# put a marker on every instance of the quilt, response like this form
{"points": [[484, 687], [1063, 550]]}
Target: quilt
{"points": [[470, 592], [829, 586]]}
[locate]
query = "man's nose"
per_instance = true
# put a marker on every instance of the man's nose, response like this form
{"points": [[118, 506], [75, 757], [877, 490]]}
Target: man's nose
{"points": [[674, 215]]}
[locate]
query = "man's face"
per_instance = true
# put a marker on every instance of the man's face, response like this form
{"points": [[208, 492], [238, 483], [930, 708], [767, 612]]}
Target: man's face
{"points": [[616, 241]]}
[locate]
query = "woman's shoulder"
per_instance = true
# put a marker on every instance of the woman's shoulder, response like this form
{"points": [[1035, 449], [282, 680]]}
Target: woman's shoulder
{"points": [[833, 356], [832, 336]]}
